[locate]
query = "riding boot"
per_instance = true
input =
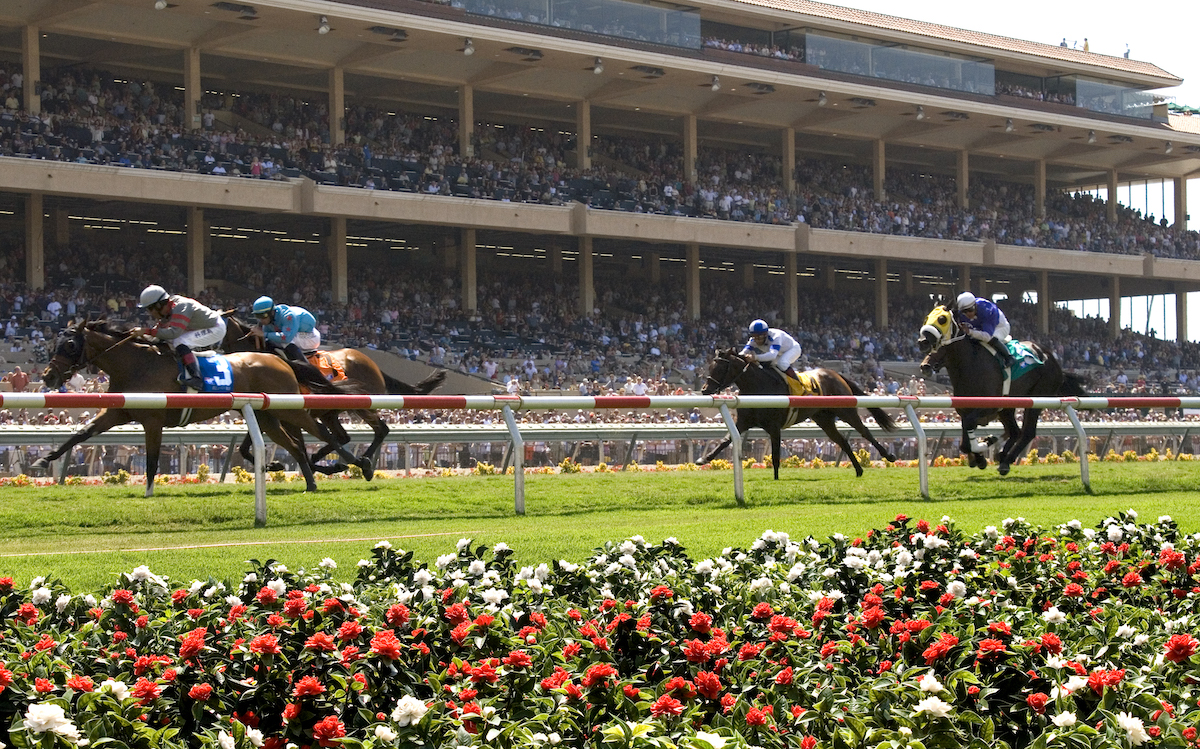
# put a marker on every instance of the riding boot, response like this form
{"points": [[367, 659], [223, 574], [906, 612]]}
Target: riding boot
{"points": [[191, 377], [791, 372], [1006, 358], [305, 370], [293, 352]]}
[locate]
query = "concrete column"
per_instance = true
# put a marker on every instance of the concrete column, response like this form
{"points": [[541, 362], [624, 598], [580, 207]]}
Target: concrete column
{"points": [[693, 281], [789, 159], [62, 228], [906, 280], [555, 259], [337, 106], [35, 246], [964, 279], [1039, 187], [466, 120], [963, 181], [1181, 313], [447, 246], [791, 295], [1044, 302], [879, 164], [881, 293], [195, 250], [468, 270], [1112, 195], [830, 276], [1114, 306], [747, 275], [587, 289], [336, 243], [1180, 205], [31, 68], [583, 134], [690, 147], [192, 91], [655, 261]]}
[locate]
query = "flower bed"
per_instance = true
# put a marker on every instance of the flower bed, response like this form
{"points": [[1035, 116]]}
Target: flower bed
{"points": [[917, 635]]}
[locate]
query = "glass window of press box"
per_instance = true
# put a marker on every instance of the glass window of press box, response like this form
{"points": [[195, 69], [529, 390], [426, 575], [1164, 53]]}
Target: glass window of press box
{"points": [[786, 44], [1113, 98], [903, 63], [658, 23]]}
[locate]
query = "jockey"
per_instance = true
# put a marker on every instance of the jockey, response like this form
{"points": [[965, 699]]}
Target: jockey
{"points": [[292, 331], [184, 322], [985, 322], [772, 345]]}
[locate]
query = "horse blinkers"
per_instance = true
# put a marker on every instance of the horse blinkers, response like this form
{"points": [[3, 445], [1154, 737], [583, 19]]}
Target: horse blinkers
{"points": [[68, 358]]}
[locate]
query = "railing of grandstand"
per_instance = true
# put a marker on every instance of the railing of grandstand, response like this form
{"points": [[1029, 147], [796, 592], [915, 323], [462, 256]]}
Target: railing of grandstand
{"points": [[248, 403]]}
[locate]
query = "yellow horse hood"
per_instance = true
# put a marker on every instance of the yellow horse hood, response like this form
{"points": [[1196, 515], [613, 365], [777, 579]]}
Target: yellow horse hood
{"points": [[937, 327]]}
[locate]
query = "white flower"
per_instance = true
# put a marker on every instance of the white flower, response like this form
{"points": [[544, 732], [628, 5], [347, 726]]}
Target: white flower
{"points": [[991, 532], [628, 561], [62, 602], [385, 734], [278, 585], [567, 566], [444, 560], [1141, 640], [761, 584], [477, 568], [554, 739], [957, 588], [854, 563], [1075, 683], [713, 740], [1052, 615], [41, 596], [233, 600], [463, 543], [383, 545], [119, 689], [494, 596], [44, 717], [905, 731], [1064, 720], [409, 710], [1135, 730], [141, 573], [36, 582], [254, 736], [279, 569], [1125, 631], [1074, 525], [934, 706], [251, 577], [670, 541], [225, 740], [500, 547], [364, 563], [328, 563], [929, 683], [1164, 519], [211, 592], [1115, 534]]}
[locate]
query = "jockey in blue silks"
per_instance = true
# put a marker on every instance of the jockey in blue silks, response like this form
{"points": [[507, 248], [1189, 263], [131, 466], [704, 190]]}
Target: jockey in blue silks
{"points": [[772, 345], [290, 330], [985, 322]]}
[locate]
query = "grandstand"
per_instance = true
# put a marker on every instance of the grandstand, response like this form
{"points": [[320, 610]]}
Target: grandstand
{"points": [[607, 188]]}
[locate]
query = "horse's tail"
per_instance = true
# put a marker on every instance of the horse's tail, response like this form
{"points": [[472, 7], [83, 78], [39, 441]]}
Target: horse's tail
{"points": [[1073, 385], [312, 378], [882, 418], [424, 387]]}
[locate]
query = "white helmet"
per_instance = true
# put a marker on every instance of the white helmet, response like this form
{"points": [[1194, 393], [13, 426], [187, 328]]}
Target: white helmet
{"points": [[966, 300], [152, 294]]}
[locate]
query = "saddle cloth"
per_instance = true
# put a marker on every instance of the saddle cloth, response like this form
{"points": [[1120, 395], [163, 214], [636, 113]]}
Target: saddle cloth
{"points": [[1025, 357], [802, 384], [330, 367], [215, 369]]}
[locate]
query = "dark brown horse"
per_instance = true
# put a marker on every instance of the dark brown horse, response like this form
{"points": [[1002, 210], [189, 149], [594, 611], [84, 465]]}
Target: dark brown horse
{"points": [[730, 368], [360, 370], [975, 371], [134, 366]]}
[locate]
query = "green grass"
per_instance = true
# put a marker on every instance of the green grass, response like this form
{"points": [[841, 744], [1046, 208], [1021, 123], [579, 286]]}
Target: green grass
{"points": [[86, 535]]}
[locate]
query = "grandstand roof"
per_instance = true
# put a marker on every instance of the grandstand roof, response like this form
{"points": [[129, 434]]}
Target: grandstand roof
{"points": [[1185, 123], [893, 24]]}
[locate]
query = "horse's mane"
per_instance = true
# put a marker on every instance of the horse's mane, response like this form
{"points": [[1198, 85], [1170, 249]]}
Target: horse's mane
{"points": [[102, 325]]}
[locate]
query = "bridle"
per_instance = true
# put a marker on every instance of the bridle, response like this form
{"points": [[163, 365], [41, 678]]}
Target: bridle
{"points": [[717, 385], [81, 359]]}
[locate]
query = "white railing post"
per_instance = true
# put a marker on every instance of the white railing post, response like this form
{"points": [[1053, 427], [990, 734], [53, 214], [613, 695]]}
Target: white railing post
{"points": [[922, 463], [260, 468], [1083, 447], [735, 451], [518, 447]]}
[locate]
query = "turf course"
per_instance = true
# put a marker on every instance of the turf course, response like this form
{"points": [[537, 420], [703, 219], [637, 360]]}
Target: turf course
{"points": [[87, 535]]}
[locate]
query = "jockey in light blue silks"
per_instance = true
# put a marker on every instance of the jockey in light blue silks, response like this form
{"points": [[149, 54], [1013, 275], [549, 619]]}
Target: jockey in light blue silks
{"points": [[772, 345], [985, 322], [291, 331]]}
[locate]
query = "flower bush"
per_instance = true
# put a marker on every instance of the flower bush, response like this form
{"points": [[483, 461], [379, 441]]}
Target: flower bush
{"points": [[917, 634]]}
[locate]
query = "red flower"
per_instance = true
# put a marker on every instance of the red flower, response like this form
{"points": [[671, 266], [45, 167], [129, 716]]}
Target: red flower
{"points": [[632, 692], [81, 683], [702, 623], [518, 659], [46, 643], [556, 679], [1131, 580], [666, 705], [708, 684], [573, 692], [265, 645], [200, 692], [320, 641], [397, 615], [27, 613], [939, 648], [266, 596], [756, 717], [122, 596], [349, 630], [990, 647], [1052, 642], [192, 643], [598, 674], [328, 731], [1180, 647], [1073, 590], [1037, 702], [43, 685], [784, 677], [761, 611], [309, 686], [571, 650], [808, 742], [460, 633], [661, 592], [749, 651], [386, 645], [291, 711], [873, 617], [146, 690], [695, 651]]}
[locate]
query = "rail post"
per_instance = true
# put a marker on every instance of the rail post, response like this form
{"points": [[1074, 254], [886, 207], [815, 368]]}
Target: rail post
{"points": [[922, 464], [260, 468], [518, 452], [735, 451], [1083, 447]]}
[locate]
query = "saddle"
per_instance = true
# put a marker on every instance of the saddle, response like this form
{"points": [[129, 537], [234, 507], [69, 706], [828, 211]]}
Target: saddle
{"points": [[803, 384], [330, 367]]}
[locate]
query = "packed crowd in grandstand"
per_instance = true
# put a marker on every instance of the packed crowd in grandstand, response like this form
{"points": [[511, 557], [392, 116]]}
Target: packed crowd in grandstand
{"points": [[90, 116]]}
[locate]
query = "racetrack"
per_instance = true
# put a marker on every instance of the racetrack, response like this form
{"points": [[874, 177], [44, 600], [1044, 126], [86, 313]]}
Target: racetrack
{"points": [[86, 535]]}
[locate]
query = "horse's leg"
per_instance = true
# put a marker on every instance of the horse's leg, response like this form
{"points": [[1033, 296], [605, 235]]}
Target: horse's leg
{"points": [[969, 446], [248, 456], [776, 450], [1012, 434], [715, 451], [1028, 432], [153, 448], [104, 421], [851, 417], [304, 420], [380, 427], [294, 444], [828, 424]]}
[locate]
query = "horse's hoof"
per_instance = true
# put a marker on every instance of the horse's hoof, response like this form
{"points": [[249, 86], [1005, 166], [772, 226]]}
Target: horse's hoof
{"points": [[889, 457], [983, 464], [41, 464], [310, 487], [367, 467], [1003, 468], [274, 465], [858, 472]]}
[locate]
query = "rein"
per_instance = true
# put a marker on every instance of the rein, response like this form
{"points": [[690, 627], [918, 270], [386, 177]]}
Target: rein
{"points": [[717, 385]]}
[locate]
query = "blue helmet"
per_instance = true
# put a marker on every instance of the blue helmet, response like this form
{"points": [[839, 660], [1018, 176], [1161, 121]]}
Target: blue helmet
{"points": [[263, 305], [758, 327]]}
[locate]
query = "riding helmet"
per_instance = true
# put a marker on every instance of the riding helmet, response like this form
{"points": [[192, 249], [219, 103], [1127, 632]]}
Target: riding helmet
{"points": [[263, 305], [758, 327], [966, 300], [152, 294]]}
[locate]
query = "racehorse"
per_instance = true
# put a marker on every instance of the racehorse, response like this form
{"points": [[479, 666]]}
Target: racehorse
{"points": [[730, 368], [360, 370], [136, 366], [975, 371]]}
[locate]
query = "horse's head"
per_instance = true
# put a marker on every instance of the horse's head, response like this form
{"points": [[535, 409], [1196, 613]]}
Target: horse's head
{"points": [[937, 329], [69, 357], [238, 335], [726, 367]]}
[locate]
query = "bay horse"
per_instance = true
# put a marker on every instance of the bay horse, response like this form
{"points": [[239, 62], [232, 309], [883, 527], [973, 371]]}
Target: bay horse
{"points": [[975, 371], [731, 368], [360, 370], [134, 366]]}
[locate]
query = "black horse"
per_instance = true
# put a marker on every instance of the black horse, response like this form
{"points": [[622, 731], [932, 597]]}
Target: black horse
{"points": [[730, 368], [975, 371]]}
